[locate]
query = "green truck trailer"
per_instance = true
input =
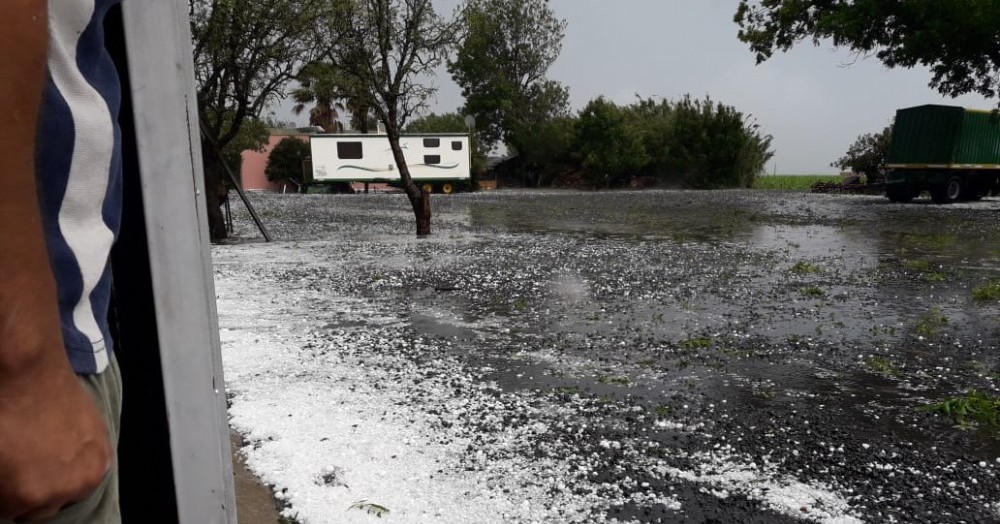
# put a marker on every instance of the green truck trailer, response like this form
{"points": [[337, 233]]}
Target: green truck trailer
{"points": [[951, 152]]}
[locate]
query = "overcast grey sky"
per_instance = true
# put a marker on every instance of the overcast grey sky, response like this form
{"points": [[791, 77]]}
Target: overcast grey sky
{"points": [[808, 99]]}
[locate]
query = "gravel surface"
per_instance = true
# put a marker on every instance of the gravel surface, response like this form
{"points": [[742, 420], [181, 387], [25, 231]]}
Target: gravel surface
{"points": [[654, 356]]}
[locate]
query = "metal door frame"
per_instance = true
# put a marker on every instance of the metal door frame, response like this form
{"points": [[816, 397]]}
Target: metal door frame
{"points": [[174, 453]]}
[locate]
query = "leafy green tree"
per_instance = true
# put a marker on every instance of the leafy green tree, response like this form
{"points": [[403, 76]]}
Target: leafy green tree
{"points": [[867, 155], [655, 121], [506, 48], [689, 143], [713, 145], [545, 102], [245, 54], [548, 150], [959, 40], [389, 47], [285, 160], [610, 148], [253, 136], [435, 123]]}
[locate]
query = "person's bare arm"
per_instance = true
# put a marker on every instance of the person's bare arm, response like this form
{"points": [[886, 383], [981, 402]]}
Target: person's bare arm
{"points": [[54, 447]]}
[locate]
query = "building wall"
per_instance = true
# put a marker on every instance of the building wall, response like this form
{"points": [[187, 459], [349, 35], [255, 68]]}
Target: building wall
{"points": [[254, 163]]}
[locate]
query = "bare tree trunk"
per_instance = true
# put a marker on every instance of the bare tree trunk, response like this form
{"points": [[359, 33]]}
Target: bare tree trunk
{"points": [[422, 211], [215, 193], [216, 222], [419, 199]]}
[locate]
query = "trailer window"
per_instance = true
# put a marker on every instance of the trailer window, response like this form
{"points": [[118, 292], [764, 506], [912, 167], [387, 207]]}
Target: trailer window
{"points": [[456, 146], [432, 159], [350, 151], [432, 142]]}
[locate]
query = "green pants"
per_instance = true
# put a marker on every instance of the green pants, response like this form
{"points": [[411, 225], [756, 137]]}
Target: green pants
{"points": [[102, 505]]}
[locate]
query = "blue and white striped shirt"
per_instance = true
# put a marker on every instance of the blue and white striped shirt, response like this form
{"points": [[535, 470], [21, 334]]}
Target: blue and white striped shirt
{"points": [[78, 164]]}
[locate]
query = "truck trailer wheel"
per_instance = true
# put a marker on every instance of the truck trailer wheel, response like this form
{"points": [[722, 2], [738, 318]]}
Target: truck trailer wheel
{"points": [[447, 188], [902, 193], [427, 188], [948, 192]]}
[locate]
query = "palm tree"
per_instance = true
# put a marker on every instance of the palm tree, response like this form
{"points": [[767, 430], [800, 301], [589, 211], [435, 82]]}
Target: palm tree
{"points": [[318, 85], [323, 84]]}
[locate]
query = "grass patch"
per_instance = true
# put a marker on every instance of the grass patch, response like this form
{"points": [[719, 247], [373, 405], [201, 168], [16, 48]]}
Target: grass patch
{"points": [[370, 508], [925, 268], [929, 240], [930, 325], [763, 391], [804, 268], [696, 343], [969, 409], [614, 381], [882, 366], [917, 265], [988, 292], [813, 292], [663, 410], [792, 182], [566, 391]]}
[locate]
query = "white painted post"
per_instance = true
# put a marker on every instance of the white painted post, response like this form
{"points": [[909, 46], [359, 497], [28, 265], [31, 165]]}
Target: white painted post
{"points": [[168, 149]]}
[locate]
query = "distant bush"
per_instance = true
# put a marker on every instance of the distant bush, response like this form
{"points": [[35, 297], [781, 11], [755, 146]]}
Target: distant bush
{"points": [[608, 144], [689, 143], [867, 156], [711, 145], [285, 160]]}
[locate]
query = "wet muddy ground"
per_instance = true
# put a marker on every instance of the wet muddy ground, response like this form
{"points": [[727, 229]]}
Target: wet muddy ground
{"points": [[656, 356]]}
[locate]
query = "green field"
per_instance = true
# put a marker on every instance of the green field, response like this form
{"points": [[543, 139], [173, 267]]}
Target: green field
{"points": [[792, 182]]}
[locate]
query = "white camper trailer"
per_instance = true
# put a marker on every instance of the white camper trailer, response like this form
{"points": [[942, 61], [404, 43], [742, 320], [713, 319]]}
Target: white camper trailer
{"points": [[436, 162]]}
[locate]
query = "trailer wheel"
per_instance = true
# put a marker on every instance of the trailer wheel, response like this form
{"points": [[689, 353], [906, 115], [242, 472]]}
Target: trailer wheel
{"points": [[948, 192], [427, 188], [447, 188], [902, 193]]}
